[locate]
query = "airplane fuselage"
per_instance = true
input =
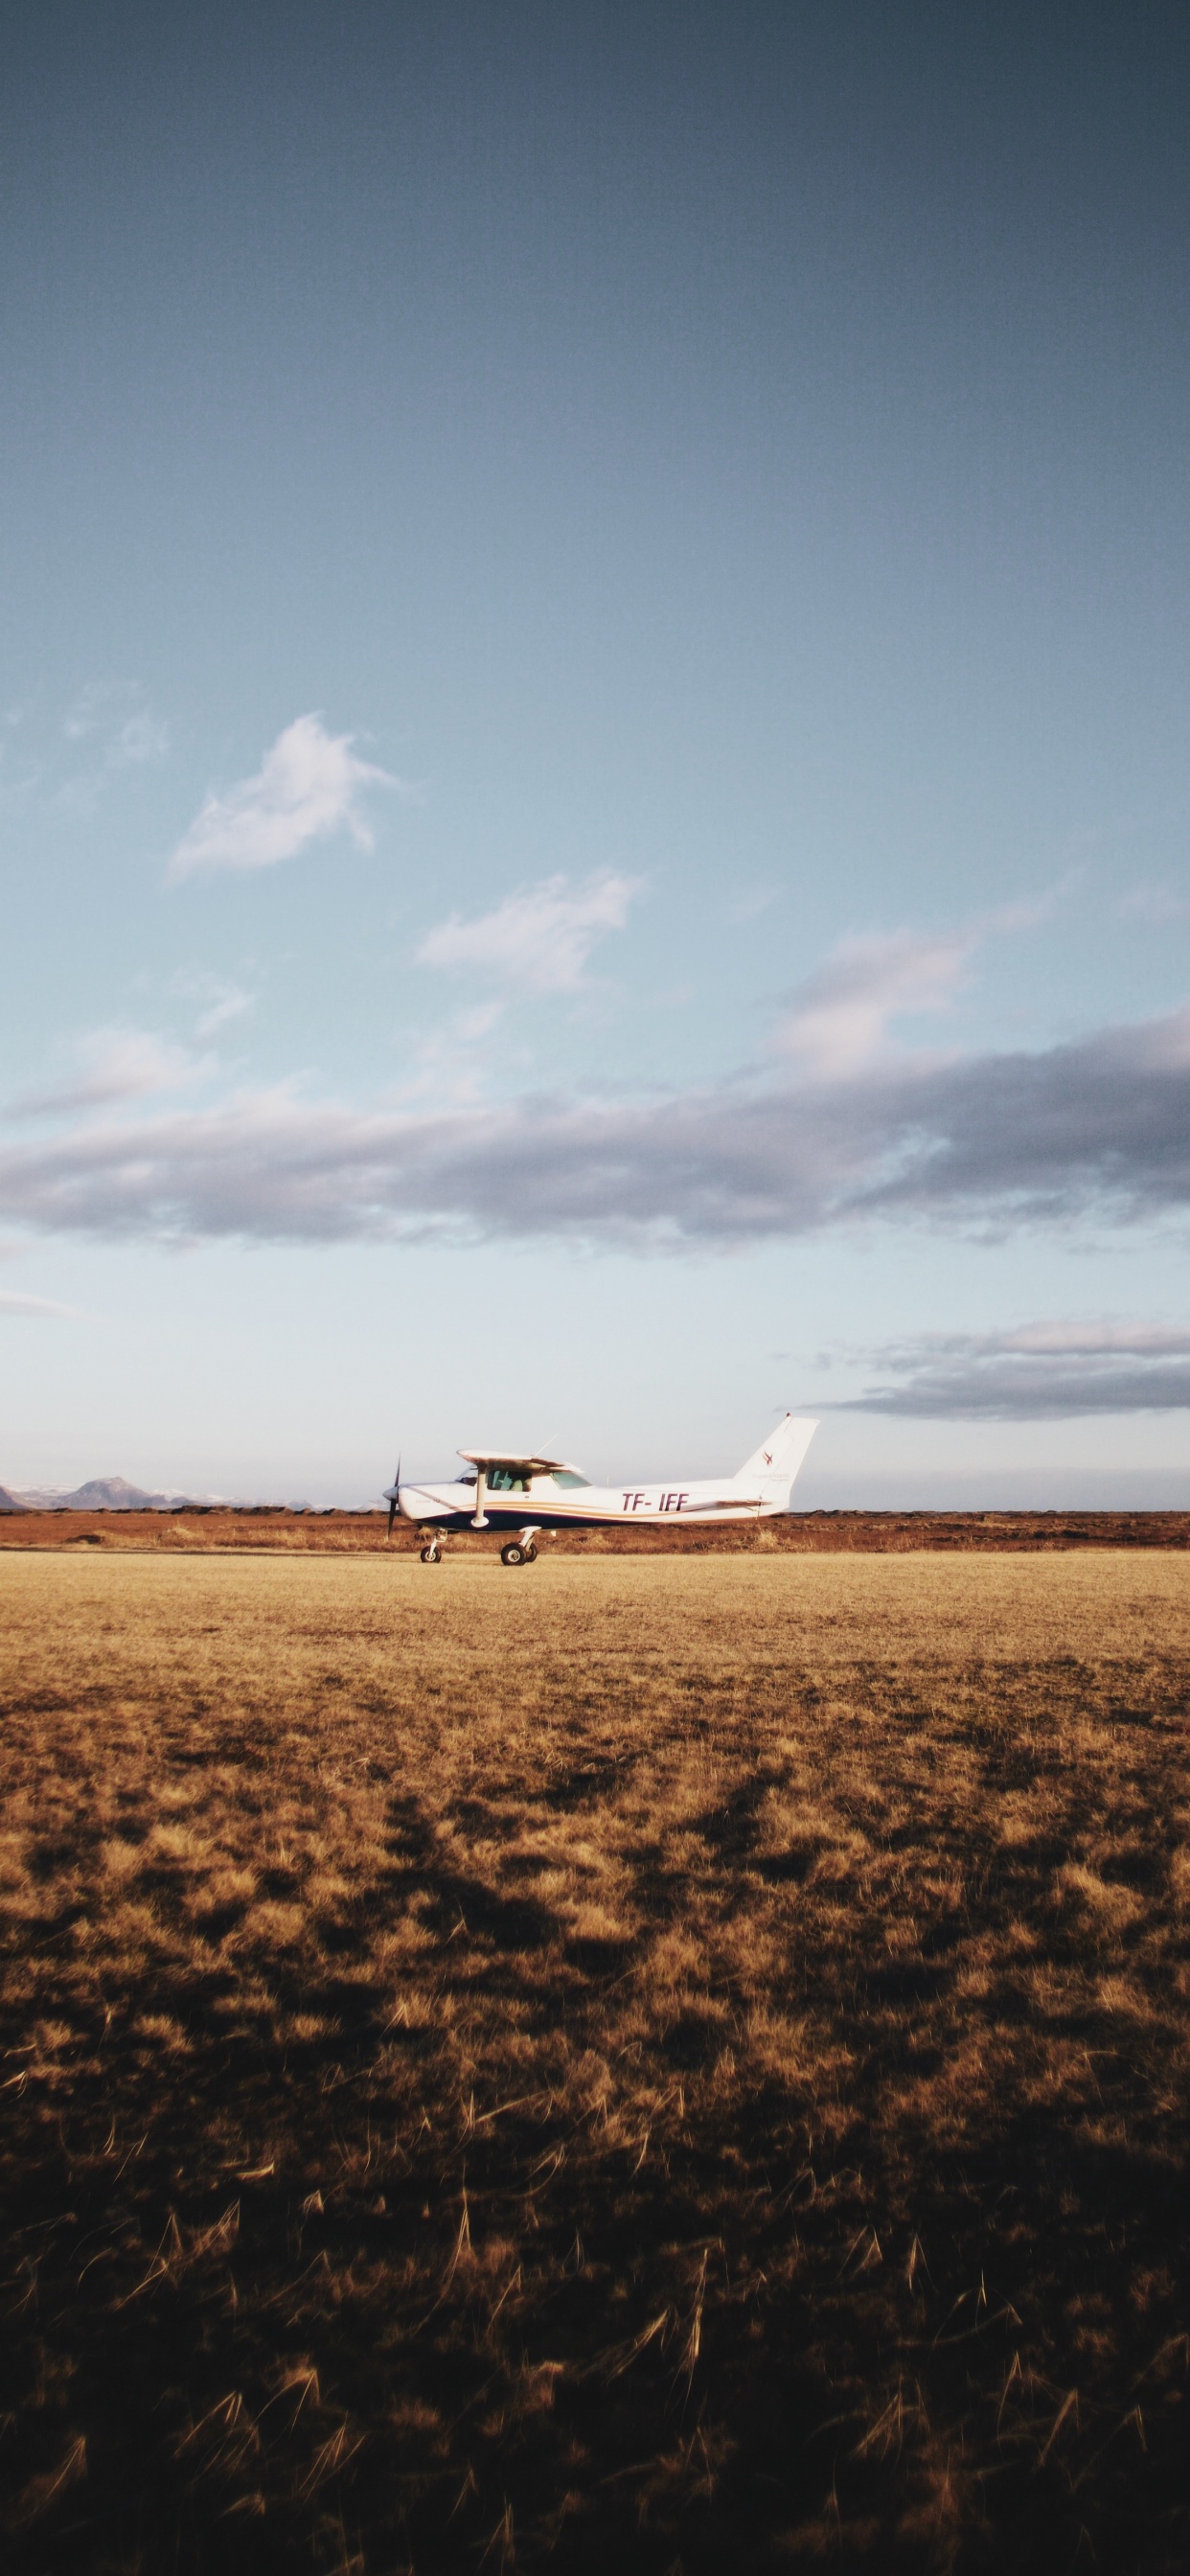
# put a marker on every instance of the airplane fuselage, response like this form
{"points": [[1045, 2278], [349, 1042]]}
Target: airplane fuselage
{"points": [[542, 1504]]}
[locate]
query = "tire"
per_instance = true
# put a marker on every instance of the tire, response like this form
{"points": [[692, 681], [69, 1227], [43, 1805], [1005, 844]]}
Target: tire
{"points": [[530, 1554], [513, 1554], [431, 1556]]}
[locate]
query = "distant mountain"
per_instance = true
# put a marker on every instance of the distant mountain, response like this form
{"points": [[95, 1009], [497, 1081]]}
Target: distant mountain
{"points": [[99, 1494], [115, 1494]]}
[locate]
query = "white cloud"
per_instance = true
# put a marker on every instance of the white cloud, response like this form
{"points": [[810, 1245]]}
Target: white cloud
{"points": [[838, 1019], [306, 788], [116, 1064], [539, 939]]}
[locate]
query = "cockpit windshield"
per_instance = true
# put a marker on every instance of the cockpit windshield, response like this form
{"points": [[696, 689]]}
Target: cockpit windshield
{"points": [[521, 1475]]}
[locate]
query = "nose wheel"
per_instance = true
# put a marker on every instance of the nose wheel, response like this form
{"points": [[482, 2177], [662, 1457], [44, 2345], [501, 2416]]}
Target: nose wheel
{"points": [[431, 1555]]}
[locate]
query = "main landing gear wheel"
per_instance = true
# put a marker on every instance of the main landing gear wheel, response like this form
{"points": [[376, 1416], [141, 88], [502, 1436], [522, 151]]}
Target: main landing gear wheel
{"points": [[431, 1555], [515, 1554]]}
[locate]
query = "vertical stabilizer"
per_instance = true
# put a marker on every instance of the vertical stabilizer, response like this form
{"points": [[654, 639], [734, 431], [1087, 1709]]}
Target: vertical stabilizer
{"points": [[772, 1468]]}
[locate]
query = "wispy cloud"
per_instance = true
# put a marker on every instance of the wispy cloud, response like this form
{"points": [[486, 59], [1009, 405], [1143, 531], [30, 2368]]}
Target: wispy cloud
{"points": [[221, 1000], [1098, 1129], [114, 1064], [1159, 905], [1037, 1371], [113, 716], [749, 906], [73, 762], [13, 1303], [840, 1017], [307, 788], [539, 939]]}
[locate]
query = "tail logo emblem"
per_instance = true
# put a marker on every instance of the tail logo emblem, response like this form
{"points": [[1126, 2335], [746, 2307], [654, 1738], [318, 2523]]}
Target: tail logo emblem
{"points": [[767, 1456]]}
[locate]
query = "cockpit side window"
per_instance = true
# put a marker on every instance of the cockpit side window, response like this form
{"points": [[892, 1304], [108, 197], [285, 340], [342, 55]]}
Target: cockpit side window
{"points": [[507, 1480], [567, 1476]]}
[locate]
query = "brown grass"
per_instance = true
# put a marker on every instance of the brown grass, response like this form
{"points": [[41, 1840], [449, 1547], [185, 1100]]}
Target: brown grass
{"points": [[655, 2066]]}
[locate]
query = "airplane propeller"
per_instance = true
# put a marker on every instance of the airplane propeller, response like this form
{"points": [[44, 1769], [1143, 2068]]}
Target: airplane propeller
{"points": [[392, 1509]]}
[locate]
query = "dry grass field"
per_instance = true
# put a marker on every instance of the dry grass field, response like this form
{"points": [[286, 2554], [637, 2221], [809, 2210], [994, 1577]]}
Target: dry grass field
{"points": [[670, 2065]]}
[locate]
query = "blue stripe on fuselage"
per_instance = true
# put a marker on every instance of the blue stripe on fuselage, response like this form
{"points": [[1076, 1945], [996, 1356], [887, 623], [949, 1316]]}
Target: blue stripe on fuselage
{"points": [[503, 1519]]}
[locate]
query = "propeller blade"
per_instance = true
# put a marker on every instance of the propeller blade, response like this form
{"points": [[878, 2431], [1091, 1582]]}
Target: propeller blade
{"points": [[392, 1509]]}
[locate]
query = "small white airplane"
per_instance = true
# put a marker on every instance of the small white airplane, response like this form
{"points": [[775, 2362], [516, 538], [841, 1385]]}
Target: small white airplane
{"points": [[525, 1495]]}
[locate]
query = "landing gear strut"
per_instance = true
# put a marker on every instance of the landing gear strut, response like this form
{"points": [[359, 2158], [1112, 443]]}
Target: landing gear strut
{"points": [[520, 1551]]}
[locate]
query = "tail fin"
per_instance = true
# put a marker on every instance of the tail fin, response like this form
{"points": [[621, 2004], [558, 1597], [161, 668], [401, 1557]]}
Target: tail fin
{"points": [[773, 1467]]}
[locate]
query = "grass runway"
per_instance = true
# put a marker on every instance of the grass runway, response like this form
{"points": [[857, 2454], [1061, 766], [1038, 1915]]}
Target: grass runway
{"points": [[673, 2064]]}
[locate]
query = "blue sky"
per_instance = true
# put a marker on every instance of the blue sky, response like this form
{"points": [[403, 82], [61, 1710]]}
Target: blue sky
{"points": [[595, 786]]}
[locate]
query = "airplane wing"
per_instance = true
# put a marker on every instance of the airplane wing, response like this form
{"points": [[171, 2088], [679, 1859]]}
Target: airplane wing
{"points": [[516, 1459]]}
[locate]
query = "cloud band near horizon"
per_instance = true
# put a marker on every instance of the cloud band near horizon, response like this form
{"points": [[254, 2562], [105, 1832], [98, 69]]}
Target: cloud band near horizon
{"points": [[1097, 1128], [1039, 1372]]}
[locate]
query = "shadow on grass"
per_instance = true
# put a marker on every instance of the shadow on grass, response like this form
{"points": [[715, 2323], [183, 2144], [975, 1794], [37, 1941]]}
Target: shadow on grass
{"points": [[825, 2206]]}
